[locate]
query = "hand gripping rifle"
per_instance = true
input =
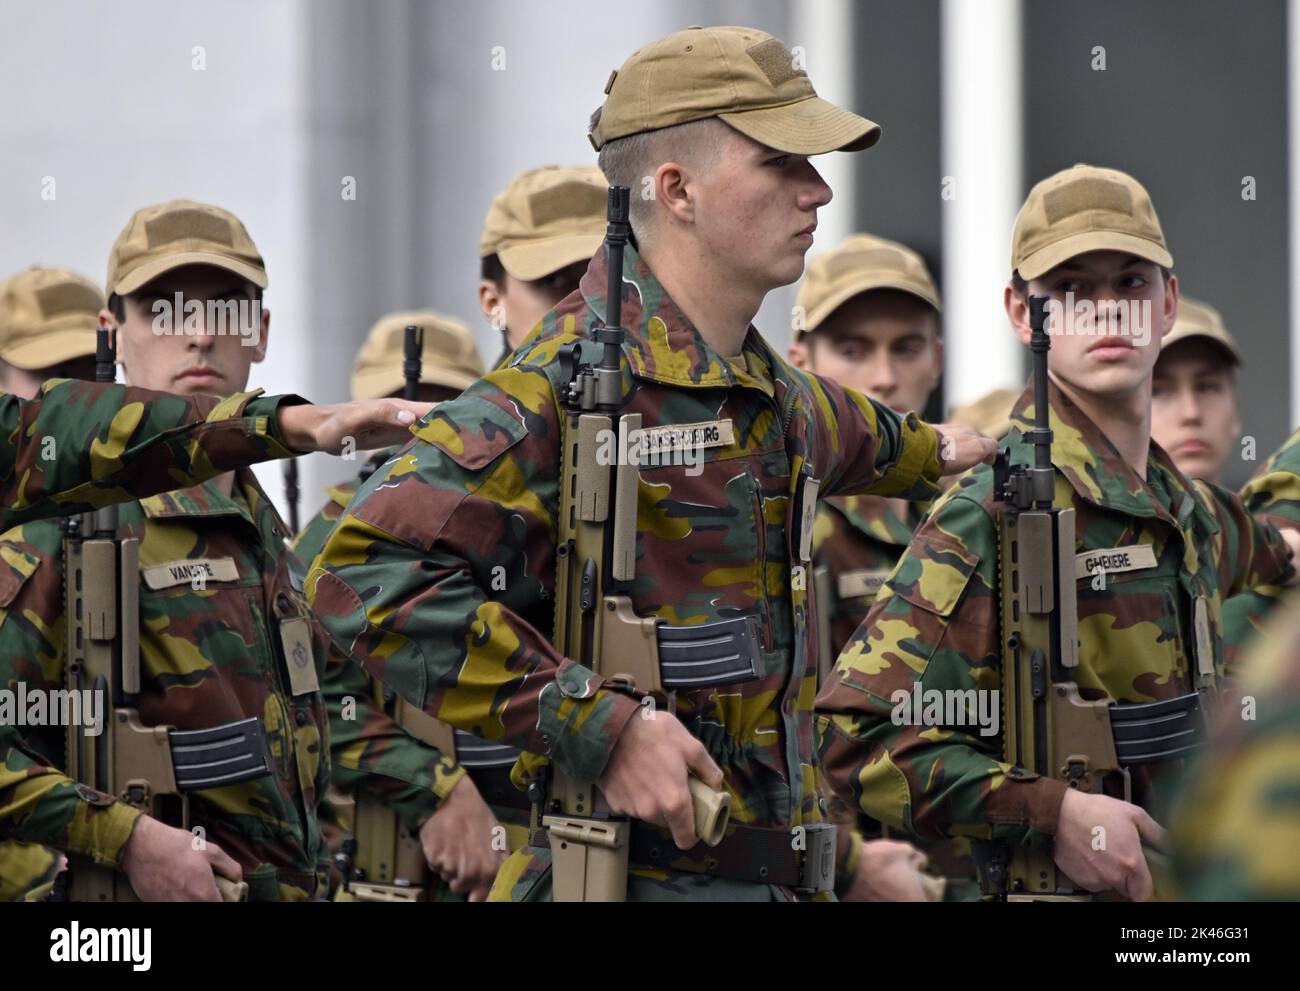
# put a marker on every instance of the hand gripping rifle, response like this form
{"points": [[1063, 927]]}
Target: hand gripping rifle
{"points": [[594, 621], [148, 767]]}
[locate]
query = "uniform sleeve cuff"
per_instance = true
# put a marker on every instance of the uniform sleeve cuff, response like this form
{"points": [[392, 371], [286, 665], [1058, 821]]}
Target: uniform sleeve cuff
{"points": [[580, 721], [1025, 799], [264, 412], [101, 831], [915, 473]]}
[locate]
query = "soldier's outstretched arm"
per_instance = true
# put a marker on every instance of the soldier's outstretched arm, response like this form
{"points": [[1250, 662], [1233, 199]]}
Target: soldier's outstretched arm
{"points": [[932, 630], [82, 445], [439, 578], [866, 447]]}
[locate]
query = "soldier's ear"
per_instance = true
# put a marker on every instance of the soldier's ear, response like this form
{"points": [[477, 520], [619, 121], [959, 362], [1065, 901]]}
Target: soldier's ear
{"points": [[109, 322], [1017, 307], [673, 189], [259, 348], [490, 298], [1170, 313]]}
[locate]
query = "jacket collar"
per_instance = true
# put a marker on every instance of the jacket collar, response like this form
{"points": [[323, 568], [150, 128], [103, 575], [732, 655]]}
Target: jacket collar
{"points": [[1096, 470], [662, 344]]}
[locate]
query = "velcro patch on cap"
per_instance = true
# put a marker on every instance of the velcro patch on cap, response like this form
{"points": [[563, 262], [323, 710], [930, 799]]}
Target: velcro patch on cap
{"points": [[774, 61], [855, 261], [182, 224], [70, 297], [564, 201], [1087, 194]]}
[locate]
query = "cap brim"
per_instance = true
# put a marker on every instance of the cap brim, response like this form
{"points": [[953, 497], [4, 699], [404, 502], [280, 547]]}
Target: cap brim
{"points": [[51, 348], [1172, 340], [384, 382], [868, 282], [150, 270], [537, 259], [810, 127], [1047, 258]]}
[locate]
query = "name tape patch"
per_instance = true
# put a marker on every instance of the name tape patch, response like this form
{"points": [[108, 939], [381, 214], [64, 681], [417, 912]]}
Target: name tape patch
{"points": [[687, 436], [854, 583], [205, 569], [1135, 557]]}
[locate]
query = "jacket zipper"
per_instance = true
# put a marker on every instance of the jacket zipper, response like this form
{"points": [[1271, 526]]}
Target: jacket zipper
{"points": [[760, 521]]}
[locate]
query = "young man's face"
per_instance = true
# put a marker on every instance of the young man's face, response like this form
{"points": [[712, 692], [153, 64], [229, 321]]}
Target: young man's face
{"points": [[26, 383], [1194, 407], [882, 343], [194, 357], [520, 305], [1111, 351], [755, 209]]}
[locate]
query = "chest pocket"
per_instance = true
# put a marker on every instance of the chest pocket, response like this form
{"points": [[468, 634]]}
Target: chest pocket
{"points": [[1132, 614]]}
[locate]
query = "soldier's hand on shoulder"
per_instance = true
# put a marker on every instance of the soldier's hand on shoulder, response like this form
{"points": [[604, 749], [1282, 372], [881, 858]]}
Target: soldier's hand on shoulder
{"points": [[647, 774], [1099, 844], [962, 447], [459, 842], [350, 427], [165, 864]]}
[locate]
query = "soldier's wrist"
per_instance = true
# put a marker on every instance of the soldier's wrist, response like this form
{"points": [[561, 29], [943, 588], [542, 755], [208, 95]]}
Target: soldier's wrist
{"points": [[296, 424]]}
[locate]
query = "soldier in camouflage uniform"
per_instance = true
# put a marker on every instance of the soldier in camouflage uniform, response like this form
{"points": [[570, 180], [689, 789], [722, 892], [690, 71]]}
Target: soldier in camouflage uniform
{"points": [[431, 791], [47, 330], [1149, 624], [538, 235], [406, 579], [1272, 495], [215, 648], [866, 316], [1236, 835], [1194, 392]]}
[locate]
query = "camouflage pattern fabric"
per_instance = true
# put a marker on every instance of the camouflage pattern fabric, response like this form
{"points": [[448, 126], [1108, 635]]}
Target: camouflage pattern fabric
{"points": [[1237, 833], [1273, 494], [370, 750], [858, 540], [80, 445], [406, 580], [935, 626], [210, 653]]}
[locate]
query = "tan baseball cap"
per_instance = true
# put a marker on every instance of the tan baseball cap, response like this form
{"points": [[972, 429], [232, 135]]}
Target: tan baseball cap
{"points": [[449, 357], [1084, 209], [545, 219], [862, 263], [743, 76], [47, 316], [160, 238], [1197, 319]]}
